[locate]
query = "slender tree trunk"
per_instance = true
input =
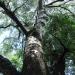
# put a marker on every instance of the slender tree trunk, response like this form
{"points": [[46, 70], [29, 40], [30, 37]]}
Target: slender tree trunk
{"points": [[58, 63]]}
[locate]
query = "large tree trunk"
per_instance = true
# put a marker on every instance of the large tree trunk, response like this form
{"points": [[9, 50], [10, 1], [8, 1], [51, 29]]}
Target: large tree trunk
{"points": [[33, 62]]}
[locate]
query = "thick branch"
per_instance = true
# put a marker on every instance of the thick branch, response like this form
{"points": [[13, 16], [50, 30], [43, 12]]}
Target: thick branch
{"points": [[13, 17], [41, 19], [57, 1], [52, 3], [6, 67], [62, 8], [60, 5]]}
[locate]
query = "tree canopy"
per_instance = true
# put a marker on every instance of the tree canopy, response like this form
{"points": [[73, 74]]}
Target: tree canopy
{"points": [[19, 19]]}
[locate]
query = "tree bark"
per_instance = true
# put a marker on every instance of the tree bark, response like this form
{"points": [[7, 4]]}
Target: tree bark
{"points": [[33, 62]]}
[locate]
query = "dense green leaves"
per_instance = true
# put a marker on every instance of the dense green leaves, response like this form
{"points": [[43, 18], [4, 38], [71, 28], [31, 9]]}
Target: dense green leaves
{"points": [[59, 26]]}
